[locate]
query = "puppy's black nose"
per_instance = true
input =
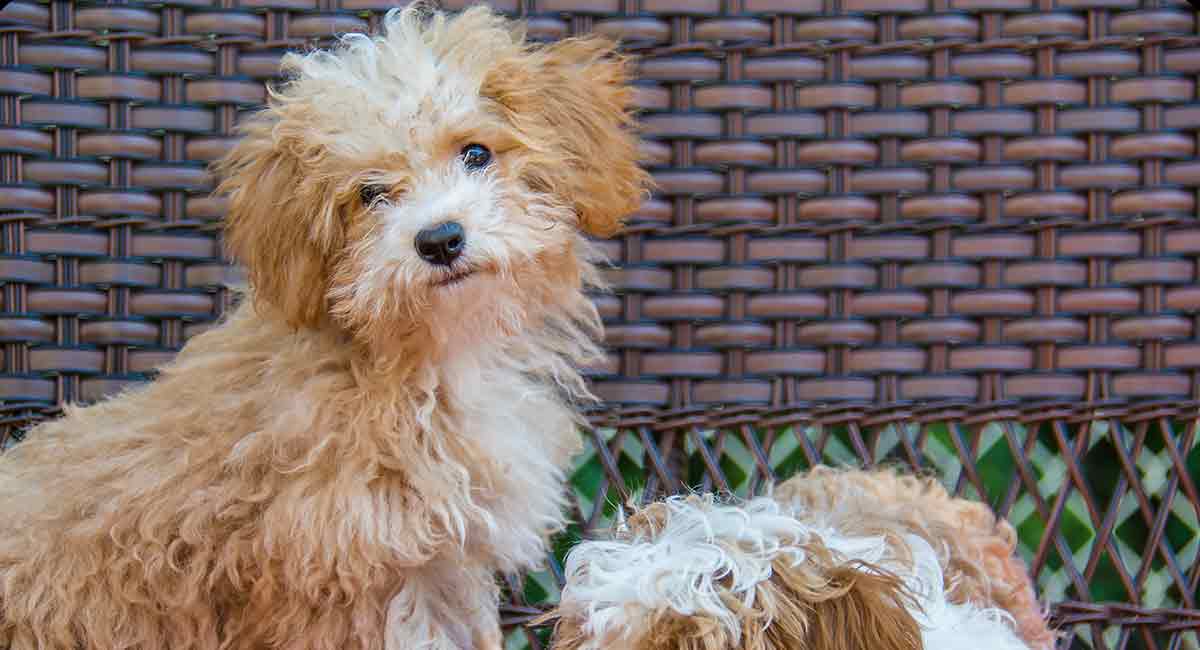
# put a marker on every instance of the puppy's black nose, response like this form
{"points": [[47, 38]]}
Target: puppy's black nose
{"points": [[441, 244]]}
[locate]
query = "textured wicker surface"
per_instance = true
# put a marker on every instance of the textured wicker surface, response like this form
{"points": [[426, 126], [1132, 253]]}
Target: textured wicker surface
{"points": [[881, 225]]}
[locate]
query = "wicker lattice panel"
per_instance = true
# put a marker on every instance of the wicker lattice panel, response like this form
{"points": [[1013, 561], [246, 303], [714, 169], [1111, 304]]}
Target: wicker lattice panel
{"points": [[1104, 499], [959, 234]]}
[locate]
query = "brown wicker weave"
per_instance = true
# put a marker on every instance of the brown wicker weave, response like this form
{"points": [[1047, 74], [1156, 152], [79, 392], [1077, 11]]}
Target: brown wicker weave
{"points": [[960, 234]]}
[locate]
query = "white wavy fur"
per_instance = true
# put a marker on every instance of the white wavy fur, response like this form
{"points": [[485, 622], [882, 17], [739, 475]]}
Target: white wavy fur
{"points": [[618, 586]]}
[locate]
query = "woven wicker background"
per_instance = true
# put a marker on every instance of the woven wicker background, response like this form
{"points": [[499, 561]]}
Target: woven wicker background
{"points": [[956, 234]]}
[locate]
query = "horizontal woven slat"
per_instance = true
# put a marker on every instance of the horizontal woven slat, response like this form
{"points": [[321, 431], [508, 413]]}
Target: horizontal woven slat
{"points": [[959, 235], [884, 204]]}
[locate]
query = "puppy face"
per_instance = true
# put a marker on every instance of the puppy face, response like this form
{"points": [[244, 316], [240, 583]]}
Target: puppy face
{"points": [[435, 177]]}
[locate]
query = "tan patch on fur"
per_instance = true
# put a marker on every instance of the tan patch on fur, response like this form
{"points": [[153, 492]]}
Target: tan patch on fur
{"points": [[978, 552], [851, 606], [822, 603], [819, 605]]}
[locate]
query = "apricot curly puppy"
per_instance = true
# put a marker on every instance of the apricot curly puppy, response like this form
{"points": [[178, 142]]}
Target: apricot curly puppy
{"points": [[384, 421], [833, 560]]}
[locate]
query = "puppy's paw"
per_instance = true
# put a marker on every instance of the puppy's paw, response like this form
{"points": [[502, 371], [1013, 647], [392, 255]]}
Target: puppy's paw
{"points": [[490, 638]]}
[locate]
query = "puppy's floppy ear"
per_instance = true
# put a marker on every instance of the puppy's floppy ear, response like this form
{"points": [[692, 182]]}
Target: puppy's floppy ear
{"points": [[837, 607], [851, 606], [846, 607], [572, 101], [281, 222]]}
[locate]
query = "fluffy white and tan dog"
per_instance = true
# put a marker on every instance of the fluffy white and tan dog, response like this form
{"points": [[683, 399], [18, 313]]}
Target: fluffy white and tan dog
{"points": [[833, 560], [384, 421]]}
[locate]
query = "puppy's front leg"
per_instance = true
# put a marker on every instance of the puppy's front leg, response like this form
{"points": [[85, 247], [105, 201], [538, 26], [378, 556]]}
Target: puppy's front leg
{"points": [[416, 619], [482, 601], [491, 640], [448, 604], [486, 624]]}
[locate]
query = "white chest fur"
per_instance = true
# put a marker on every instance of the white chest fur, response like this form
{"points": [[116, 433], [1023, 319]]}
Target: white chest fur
{"points": [[523, 437]]}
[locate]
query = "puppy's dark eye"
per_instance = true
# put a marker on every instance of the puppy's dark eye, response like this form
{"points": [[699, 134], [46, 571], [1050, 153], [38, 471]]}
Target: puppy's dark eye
{"points": [[368, 193], [476, 156]]}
